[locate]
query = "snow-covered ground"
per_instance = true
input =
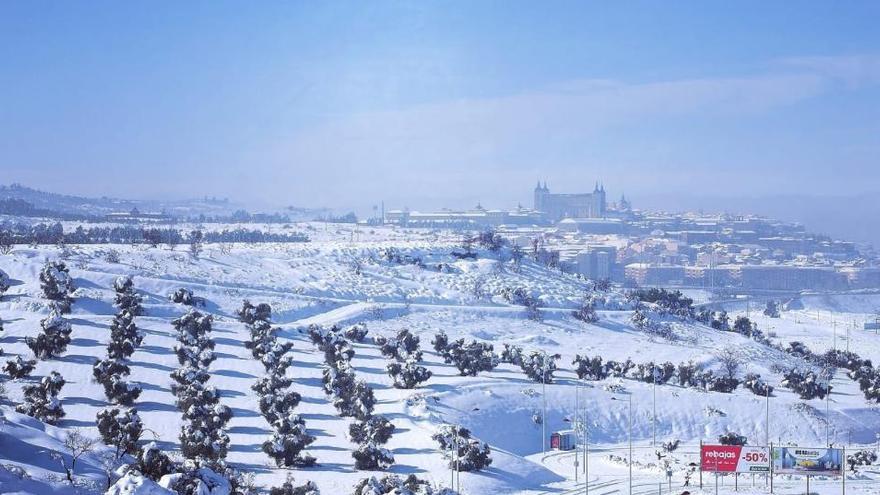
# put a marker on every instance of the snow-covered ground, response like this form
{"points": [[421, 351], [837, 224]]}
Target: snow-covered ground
{"points": [[341, 277]]}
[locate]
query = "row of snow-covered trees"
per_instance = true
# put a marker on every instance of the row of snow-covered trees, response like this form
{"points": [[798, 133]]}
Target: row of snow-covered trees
{"points": [[125, 337], [203, 437], [859, 370], [405, 358], [276, 400], [469, 358], [41, 399], [472, 358], [353, 398], [119, 425], [684, 374], [204, 441], [53, 234]]}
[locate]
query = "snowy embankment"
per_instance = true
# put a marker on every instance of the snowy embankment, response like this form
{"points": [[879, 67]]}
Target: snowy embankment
{"points": [[338, 282]]}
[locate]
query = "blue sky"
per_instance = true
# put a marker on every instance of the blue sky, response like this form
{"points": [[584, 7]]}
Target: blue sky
{"points": [[428, 104]]}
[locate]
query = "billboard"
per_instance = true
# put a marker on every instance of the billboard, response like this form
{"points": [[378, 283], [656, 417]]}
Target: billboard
{"points": [[734, 459], [804, 461]]}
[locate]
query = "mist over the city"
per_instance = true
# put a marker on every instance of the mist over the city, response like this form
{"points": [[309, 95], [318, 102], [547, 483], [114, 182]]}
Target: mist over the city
{"points": [[439, 248]]}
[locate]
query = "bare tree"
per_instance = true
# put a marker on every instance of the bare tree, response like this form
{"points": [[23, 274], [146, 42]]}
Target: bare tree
{"points": [[730, 360], [478, 287], [77, 445], [6, 242], [196, 243]]}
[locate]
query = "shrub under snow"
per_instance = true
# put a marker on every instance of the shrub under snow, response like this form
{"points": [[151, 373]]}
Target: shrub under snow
{"points": [[41, 399], [19, 368], [52, 341], [121, 429], [287, 442], [57, 285], [289, 488], [395, 485], [463, 452]]}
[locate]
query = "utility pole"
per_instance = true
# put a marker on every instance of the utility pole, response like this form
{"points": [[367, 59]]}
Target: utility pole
{"points": [[834, 327], [577, 426], [630, 436], [654, 416], [586, 450], [767, 438], [454, 456], [847, 335], [544, 412], [827, 420]]}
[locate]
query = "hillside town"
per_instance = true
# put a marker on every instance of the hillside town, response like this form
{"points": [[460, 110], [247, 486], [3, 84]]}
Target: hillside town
{"points": [[614, 241]]}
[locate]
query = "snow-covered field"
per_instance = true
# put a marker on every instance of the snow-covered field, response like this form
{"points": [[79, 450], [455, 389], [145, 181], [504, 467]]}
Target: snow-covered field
{"points": [[341, 278]]}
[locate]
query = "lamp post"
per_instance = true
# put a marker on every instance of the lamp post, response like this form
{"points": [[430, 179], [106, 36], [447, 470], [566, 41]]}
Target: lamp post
{"points": [[767, 394], [577, 425], [586, 446], [629, 439], [827, 419], [544, 399], [654, 406], [834, 327]]}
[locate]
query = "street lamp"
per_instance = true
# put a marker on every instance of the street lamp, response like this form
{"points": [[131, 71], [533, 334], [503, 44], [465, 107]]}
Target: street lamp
{"points": [[629, 439], [586, 445], [654, 372], [576, 425], [544, 399], [767, 394]]}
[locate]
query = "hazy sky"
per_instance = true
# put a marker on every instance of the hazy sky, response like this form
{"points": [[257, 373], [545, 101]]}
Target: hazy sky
{"points": [[439, 103]]}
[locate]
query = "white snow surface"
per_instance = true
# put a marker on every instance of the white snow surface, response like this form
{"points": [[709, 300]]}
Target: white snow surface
{"points": [[317, 283]]}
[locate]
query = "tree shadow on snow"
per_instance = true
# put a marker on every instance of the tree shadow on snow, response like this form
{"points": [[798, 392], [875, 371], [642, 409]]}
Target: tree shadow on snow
{"points": [[319, 417], [81, 342], [411, 451], [154, 387], [83, 400], [78, 359], [327, 448], [333, 466], [234, 374], [75, 423], [152, 349], [404, 469], [244, 413], [226, 355], [87, 323], [225, 392], [227, 341], [249, 430], [155, 406], [154, 366], [239, 447]]}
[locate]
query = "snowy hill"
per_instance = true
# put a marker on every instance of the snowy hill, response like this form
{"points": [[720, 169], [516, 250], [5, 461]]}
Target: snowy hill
{"points": [[54, 204], [335, 280]]}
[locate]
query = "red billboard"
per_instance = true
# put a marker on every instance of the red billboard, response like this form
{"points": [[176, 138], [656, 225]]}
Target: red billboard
{"points": [[734, 459]]}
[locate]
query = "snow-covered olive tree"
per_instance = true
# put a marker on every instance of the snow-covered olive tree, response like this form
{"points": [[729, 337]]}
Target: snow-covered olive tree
{"points": [[57, 285], [121, 429], [461, 449], [53, 338], [41, 399]]}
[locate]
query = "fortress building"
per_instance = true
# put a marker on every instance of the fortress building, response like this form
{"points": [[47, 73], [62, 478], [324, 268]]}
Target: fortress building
{"points": [[555, 207]]}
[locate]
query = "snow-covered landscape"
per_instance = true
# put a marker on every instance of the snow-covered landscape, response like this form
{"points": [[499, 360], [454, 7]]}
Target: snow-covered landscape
{"points": [[393, 279], [503, 247]]}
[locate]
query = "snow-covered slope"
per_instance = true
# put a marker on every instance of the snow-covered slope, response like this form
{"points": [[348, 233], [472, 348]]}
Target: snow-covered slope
{"points": [[338, 280]]}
